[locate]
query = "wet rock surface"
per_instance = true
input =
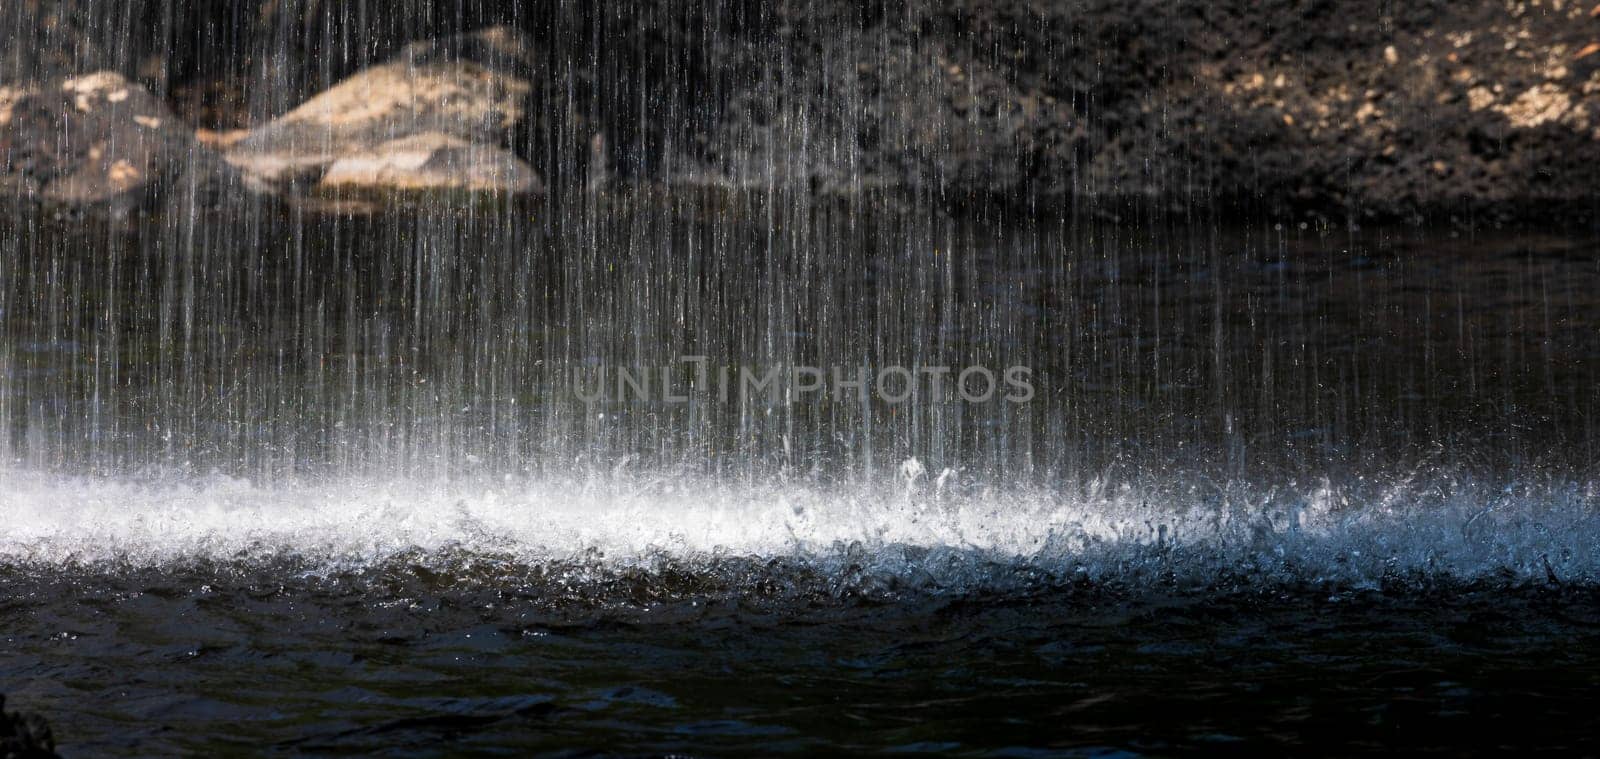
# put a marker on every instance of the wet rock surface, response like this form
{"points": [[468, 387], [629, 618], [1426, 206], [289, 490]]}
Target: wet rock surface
{"points": [[1357, 109], [435, 116], [97, 139], [431, 162], [44, 40], [1354, 108]]}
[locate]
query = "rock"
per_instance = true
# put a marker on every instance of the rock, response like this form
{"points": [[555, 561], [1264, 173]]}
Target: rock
{"points": [[47, 40], [1173, 104], [432, 162], [24, 736], [95, 139], [471, 88]]}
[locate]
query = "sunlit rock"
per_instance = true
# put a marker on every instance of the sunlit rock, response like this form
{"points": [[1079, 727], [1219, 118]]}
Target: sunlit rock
{"points": [[96, 139], [431, 163], [472, 88]]}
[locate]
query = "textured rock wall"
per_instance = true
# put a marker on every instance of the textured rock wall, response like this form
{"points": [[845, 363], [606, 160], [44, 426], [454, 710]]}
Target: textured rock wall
{"points": [[1364, 108]]}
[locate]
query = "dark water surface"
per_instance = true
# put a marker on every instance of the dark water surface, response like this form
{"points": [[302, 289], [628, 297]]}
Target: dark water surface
{"points": [[293, 482], [219, 660]]}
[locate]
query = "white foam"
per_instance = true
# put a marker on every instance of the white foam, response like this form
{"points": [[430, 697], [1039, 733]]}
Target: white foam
{"points": [[1358, 532]]}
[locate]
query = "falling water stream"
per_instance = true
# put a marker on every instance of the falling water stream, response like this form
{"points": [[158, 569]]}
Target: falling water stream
{"points": [[348, 388], [282, 476]]}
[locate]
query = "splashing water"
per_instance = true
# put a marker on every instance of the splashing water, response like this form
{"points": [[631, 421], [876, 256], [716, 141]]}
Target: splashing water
{"points": [[1436, 524], [334, 401]]}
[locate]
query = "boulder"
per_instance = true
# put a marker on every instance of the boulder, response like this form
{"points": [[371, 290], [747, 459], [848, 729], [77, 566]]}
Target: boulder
{"points": [[48, 40], [95, 139], [431, 162], [421, 119]]}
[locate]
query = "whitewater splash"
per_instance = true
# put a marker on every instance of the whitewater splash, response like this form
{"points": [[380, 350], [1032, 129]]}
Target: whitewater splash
{"points": [[935, 531]]}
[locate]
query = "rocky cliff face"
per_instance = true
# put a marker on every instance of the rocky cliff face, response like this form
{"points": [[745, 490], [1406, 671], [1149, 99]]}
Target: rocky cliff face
{"points": [[1336, 108], [1360, 108]]}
